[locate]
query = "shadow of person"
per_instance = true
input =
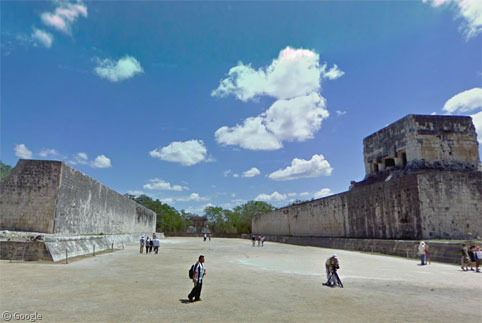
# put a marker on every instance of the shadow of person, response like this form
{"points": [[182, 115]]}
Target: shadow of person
{"points": [[185, 301]]}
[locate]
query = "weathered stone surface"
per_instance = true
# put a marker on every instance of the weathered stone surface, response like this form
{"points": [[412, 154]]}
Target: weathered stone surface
{"points": [[433, 192], [52, 197]]}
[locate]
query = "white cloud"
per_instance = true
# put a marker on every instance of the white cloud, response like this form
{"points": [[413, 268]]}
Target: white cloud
{"points": [[304, 194], [251, 172], [463, 102], [235, 175], [469, 10], [275, 196], [193, 197], [101, 161], [47, 152], [42, 37], [123, 69], [294, 79], [160, 184], [300, 168], [23, 152], [227, 172], [333, 73], [340, 112], [135, 192], [477, 120], [291, 194], [64, 16], [294, 73], [296, 119], [322, 193], [251, 135], [80, 158], [186, 153]]}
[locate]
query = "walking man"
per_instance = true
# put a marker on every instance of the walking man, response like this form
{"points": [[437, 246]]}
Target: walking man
{"points": [[156, 245], [198, 277], [142, 244]]}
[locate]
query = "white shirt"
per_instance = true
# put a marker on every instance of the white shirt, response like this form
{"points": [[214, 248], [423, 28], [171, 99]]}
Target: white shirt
{"points": [[200, 270]]}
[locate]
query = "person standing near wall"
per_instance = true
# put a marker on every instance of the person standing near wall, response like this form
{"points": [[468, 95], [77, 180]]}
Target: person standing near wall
{"points": [[198, 277], [254, 239], [464, 258], [421, 252], [478, 258], [142, 244], [147, 244]]}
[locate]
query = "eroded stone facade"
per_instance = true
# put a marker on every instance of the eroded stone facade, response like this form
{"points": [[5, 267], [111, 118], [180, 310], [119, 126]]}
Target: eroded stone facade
{"points": [[422, 182]]}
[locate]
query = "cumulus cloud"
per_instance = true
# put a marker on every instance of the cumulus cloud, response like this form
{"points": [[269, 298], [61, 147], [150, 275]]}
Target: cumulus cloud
{"points": [[323, 193], [463, 102], [80, 158], [23, 152], [295, 72], [469, 10], [64, 15], [44, 38], [294, 80], [275, 196], [340, 113], [304, 194], [300, 168], [101, 161], [193, 197], [477, 120], [160, 184], [252, 134], [251, 172], [47, 152], [123, 69], [226, 173], [186, 153]]}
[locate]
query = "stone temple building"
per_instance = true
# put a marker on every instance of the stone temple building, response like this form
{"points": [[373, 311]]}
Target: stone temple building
{"points": [[423, 181]]}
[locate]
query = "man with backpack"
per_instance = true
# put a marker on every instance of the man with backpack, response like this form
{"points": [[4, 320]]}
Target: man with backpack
{"points": [[197, 273]]}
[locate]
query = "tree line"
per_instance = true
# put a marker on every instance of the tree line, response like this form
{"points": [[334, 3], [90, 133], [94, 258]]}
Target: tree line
{"points": [[220, 220]]}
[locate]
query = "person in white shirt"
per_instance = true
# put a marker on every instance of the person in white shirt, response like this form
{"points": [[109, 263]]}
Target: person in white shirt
{"points": [[156, 244], [198, 277]]}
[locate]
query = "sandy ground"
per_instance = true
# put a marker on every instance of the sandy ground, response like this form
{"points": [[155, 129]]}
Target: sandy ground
{"points": [[274, 283]]}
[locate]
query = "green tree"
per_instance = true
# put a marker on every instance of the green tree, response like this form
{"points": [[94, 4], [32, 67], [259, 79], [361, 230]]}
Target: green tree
{"points": [[237, 220], [168, 218], [5, 170]]}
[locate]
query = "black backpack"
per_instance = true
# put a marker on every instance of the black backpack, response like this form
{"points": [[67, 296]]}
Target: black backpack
{"points": [[191, 272]]}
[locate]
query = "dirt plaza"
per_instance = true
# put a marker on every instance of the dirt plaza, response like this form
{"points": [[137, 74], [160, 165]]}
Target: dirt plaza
{"points": [[274, 283]]}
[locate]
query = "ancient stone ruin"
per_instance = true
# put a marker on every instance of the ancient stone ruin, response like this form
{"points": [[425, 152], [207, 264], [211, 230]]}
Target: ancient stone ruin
{"points": [[62, 208], [423, 181]]}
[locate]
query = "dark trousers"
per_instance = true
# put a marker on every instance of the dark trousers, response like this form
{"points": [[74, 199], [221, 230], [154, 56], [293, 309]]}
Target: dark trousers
{"points": [[196, 292]]}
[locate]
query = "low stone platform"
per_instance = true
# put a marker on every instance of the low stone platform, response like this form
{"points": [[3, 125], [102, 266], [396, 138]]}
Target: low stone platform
{"points": [[31, 246], [441, 251]]}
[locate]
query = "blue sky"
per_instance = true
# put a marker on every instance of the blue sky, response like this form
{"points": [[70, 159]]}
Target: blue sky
{"points": [[219, 103]]}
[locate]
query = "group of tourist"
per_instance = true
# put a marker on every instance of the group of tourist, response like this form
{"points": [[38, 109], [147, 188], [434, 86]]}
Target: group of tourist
{"points": [[149, 244], [260, 240], [470, 257]]}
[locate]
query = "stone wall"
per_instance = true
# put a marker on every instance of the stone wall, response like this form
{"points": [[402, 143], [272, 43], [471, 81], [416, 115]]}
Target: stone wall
{"points": [[28, 196], [425, 205], [87, 206], [451, 204], [52, 197]]}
